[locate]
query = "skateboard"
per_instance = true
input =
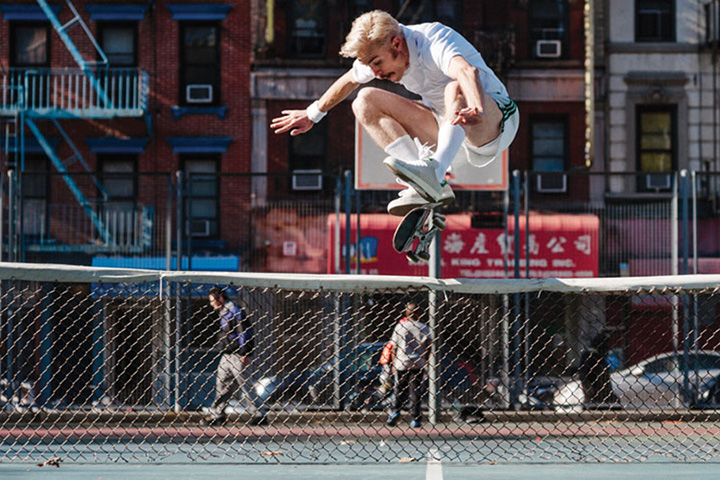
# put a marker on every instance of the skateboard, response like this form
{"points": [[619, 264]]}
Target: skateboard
{"points": [[419, 224]]}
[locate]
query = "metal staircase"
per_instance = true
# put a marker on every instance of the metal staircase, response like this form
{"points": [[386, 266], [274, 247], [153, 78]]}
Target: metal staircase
{"points": [[85, 65], [61, 167], [31, 97]]}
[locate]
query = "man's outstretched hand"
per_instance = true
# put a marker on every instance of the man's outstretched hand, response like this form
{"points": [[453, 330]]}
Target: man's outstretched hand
{"points": [[294, 121], [468, 116]]}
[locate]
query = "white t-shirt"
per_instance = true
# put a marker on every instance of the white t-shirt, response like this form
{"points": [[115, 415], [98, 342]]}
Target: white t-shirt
{"points": [[431, 46]]}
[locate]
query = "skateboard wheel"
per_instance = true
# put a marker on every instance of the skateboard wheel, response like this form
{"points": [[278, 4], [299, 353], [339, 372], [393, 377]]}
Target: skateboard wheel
{"points": [[439, 222], [424, 256], [412, 257]]}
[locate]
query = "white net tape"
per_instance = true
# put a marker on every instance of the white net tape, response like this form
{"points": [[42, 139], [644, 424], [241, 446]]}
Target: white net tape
{"points": [[105, 365]]}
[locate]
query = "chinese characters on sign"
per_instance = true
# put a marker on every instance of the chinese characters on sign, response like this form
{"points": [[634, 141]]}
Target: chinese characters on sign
{"points": [[558, 245], [481, 254]]}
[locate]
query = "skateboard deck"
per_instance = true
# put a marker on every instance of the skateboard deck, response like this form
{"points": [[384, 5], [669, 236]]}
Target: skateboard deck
{"points": [[416, 231]]}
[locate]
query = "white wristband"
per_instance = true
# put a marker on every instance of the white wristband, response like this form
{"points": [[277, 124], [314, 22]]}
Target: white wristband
{"points": [[314, 113]]}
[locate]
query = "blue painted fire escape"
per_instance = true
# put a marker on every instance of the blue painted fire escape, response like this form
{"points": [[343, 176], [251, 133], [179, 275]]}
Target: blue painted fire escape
{"points": [[93, 90]]}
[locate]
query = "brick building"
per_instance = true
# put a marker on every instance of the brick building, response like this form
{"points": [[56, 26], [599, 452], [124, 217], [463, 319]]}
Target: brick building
{"points": [[185, 67]]}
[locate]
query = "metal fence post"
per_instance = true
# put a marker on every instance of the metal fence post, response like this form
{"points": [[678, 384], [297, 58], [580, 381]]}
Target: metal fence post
{"points": [[338, 203], [179, 222], [11, 216], [515, 329], [675, 301], [434, 272], [168, 225], [348, 219]]}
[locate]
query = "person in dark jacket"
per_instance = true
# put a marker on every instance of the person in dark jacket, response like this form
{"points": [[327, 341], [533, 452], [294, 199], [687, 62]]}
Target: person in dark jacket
{"points": [[233, 372], [595, 374]]}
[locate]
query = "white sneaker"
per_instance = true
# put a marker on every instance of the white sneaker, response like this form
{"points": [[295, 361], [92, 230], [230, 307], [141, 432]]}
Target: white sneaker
{"points": [[420, 175], [409, 199]]}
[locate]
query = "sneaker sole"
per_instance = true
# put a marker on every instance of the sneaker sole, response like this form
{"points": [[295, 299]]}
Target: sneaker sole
{"points": [[420, 187], [402, 210]]}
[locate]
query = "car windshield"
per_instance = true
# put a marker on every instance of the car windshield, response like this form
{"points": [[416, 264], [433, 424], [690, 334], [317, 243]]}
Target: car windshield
{"points": [[672, 363]]}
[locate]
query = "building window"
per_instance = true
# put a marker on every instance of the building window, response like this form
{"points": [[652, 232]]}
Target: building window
{"points": [[654, 20], [656, 146], [308, 28], [548, 145], [118, 177], [36, 191], [202, 193], [548, 28], [307, 151], [31, 44], [119, 42], [447, 12], [199, 64], [549, 154]]}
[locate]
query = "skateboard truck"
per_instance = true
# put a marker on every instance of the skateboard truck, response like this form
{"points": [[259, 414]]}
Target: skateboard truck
{"points": [[419, 224]]}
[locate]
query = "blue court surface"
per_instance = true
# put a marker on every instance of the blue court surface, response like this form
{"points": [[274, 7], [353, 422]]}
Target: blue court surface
{"points": [[414, 471]]}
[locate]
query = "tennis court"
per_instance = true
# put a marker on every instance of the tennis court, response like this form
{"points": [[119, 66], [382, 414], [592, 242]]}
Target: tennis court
{"points": [[109, 372], [419, 471]]}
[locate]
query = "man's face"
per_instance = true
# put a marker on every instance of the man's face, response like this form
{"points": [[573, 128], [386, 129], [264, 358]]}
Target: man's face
{"points": [[216, 303], [389, 61]]}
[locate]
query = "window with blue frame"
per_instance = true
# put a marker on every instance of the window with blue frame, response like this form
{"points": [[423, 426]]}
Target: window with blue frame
{"points": [[118, 41], [118, 178], [202, 195], [36, 191], [117, 174], [199, 64], [30, 44]]}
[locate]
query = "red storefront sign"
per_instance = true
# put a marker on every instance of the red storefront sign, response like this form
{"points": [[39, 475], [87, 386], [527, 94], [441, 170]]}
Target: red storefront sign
{"points": [[560, 245]]}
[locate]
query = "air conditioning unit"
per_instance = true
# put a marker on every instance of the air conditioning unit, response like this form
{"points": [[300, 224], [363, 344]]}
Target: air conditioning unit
{"points": [[552, 182], [658, 181], [548, 49], [198, 228], [199, 93], [307, 180]]}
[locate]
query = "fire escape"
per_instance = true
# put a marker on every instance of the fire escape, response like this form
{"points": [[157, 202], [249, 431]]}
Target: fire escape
{"points": [[35, 101]]}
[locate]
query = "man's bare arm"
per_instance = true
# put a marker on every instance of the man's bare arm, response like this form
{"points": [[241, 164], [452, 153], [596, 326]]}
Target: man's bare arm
{"points": [[297, 121], [467, 77]]}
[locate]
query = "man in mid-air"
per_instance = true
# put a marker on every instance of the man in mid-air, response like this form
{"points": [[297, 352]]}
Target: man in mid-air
{"points": [[464, 104]]}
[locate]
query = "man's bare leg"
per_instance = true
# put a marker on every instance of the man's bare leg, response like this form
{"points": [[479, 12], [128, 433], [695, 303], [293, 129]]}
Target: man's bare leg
{"points": [[387, 117]]}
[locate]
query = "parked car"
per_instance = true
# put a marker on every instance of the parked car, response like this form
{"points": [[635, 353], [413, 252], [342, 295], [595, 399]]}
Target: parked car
{"points": [[362, 379], [655, 383]]}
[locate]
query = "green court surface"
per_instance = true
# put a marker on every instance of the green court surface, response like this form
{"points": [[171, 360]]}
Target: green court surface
{"points": [[419, 471]]}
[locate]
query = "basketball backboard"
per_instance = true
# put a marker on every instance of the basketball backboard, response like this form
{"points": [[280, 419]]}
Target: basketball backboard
{"points": [[371, 174]]}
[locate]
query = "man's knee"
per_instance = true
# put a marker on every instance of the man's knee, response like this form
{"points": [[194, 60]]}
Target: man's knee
{"points": [[366, 102]]}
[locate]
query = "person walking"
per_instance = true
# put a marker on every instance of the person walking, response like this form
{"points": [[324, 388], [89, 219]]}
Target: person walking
{"points": [[233, 372], [411, 340]]}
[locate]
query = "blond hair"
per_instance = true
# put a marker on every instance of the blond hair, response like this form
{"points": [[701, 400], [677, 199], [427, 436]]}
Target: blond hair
{"points": [[369, 31]]}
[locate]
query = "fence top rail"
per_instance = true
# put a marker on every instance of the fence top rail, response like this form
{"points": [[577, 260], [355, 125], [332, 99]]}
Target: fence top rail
{"points": [[359, 284]]}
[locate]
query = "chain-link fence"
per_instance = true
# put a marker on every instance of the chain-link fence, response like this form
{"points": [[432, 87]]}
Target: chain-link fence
{"points": [[106, 365]]}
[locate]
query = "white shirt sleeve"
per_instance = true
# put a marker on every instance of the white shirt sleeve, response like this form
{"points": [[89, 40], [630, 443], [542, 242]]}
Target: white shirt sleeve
{"points": [[362, 73], [446, 43]]}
